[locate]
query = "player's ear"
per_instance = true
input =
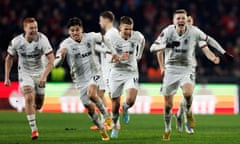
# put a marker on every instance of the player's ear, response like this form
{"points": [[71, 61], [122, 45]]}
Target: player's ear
{"points": [[119, 27], [81, 29]]}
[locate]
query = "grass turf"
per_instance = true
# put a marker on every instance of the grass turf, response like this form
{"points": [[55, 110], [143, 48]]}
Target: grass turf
{"points": [[60, 128]]}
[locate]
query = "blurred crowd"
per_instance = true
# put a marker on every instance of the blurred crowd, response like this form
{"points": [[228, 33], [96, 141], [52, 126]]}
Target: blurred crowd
{"points": [[217, 18]]}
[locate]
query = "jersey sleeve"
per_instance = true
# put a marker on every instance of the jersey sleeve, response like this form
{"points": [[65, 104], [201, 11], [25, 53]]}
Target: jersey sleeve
{"points": [[97, 37], [163, 38], [99, 47], [201, 35], [12, 47], [47, 48], [63, 45], [202, 44], [141, 46]]}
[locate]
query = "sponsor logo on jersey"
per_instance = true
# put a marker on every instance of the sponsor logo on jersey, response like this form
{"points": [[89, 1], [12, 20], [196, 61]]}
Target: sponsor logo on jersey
{"points": [[31, 55], [79, 55], [88, 45]]}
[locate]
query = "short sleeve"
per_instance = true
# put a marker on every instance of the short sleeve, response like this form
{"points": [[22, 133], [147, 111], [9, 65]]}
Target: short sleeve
{"points": [[63, 45], [47, 48], [12, 47], [200, 34], [97, 37], [162, 38], [202, 44]]}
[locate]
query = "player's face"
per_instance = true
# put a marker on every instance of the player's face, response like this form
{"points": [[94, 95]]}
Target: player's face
{"points": [[190, 20], [102, 22], [31, 30], [75, 32], [126, 30], [180, 21]]}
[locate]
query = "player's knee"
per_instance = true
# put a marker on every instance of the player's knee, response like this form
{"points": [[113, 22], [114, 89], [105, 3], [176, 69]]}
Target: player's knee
{"points": [[187, 90], [91, 94], [92, 89], [131, 103], [28, 93], [27, 90], [29, 99], [187, 93], [90, 107], [169, 104]]}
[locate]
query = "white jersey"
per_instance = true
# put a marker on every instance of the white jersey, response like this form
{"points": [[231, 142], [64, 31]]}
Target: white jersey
{"points": [[106, 58], [134, 46], [184, 54], [81, 56], [30, 54]]}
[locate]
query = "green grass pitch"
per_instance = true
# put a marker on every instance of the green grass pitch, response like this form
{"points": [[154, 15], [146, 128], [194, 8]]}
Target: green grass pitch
{"points": [[60, 128]]}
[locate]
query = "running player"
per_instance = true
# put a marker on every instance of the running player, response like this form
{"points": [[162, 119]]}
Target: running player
{"points": [[129, 45], [79, 50], [178, 42], [106, 20], [30, 47], [182, 105]]}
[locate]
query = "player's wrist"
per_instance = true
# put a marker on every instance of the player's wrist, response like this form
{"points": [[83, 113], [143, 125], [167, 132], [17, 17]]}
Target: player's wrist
{"points": [[214, 59]]}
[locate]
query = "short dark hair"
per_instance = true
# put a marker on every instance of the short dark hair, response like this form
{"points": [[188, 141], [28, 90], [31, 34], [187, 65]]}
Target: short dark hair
{"points": [[74, 21], [178, 11], [126, 20], [108, 15]]}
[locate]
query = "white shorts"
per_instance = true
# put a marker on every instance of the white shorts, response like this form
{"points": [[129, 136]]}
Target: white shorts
{"points": [[106, 75], [26, 79], [83, 86], [122, 80], [101, 84], [175, 77]]}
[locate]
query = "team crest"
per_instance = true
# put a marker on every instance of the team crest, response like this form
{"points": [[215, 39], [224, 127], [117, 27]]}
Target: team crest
{"points": [[132, 45], [118, 47], [74, 48], [191, 77], [21, 48], [88, 45], [119, 51], [185, 41], [135, 80], [36, 48]]}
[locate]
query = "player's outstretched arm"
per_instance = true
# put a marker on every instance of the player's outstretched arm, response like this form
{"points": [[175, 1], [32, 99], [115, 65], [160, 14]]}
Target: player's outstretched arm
{"points": [[59, 57], [8, 66], [210, 55], [100, 48], [109, 45], [212, 42], [155, 47]]}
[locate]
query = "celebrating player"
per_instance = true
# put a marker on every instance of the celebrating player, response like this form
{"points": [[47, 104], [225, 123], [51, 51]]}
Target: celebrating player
{"points": [[106, 20], [79, 50], [182, 105], [178, 42], [30, 47], [129, 45]]}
